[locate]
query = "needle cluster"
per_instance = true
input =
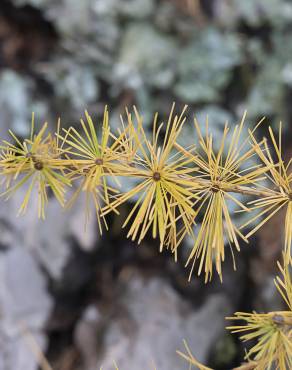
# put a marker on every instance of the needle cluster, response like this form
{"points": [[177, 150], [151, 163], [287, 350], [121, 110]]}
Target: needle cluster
{"points": [[177, 191]]}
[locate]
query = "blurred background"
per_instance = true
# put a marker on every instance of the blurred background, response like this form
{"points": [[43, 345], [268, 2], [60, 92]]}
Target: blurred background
{"points": [[85, 300]]}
